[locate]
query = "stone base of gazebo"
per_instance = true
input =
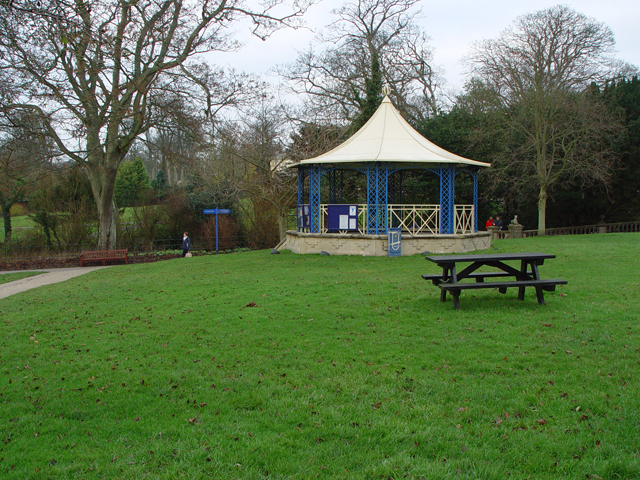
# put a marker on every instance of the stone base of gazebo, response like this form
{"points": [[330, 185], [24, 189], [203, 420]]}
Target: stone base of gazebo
{"points": [[376, 245]]}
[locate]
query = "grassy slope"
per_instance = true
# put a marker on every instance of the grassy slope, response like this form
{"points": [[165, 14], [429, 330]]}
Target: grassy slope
{"points": [[253, 365], [12, 277]]}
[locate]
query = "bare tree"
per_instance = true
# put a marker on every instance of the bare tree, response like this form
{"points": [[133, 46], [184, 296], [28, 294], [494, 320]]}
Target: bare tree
{"points": [[24, 158], [97, 72], [266, 181], [371, 42], [537, 75]]}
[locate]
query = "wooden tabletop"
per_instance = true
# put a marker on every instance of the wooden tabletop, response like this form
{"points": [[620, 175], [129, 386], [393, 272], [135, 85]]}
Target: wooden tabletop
{"points": [[488, 257]]}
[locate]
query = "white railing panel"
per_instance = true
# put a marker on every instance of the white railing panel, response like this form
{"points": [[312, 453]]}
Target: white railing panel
{"points": [[415, 219], [464, 219], [412, 219]]}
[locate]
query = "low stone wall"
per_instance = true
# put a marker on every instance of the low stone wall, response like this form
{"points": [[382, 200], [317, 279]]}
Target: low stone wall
{"points": [[376, 245]]}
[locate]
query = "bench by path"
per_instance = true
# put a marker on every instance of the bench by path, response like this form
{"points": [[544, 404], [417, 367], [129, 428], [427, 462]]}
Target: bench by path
{"points": [[104, 256], [48, 277]]}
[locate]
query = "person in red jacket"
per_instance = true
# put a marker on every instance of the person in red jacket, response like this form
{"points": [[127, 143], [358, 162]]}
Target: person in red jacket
{"points": [[489, 223]]}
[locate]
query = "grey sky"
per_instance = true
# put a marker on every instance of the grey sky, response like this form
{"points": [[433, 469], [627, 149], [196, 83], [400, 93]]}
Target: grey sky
{"points": [[452, 25]]}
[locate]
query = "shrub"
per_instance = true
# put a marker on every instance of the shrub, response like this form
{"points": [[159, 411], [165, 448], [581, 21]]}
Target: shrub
{"points": [[18, 210], [228, 233]]}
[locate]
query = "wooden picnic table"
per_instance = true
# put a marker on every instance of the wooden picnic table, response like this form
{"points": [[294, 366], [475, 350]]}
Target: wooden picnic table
{"points": [[526, 276]]}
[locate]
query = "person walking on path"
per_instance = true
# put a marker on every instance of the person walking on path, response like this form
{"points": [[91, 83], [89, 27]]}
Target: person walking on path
{"points": [[186, 244]]}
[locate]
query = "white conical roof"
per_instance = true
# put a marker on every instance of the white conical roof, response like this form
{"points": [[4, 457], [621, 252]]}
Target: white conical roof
{"points": [[387, 137]]}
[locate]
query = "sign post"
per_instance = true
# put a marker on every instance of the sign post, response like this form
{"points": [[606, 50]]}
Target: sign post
{"points": [[216, 212]]}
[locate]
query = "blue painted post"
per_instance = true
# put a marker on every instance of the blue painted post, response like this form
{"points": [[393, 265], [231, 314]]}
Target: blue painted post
{"points": [[314, 198], [377, 183], [216, 212], [447, 195], [474, 176]]}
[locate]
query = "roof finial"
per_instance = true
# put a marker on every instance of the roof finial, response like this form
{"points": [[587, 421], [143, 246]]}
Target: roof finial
{"points": [[386, 90]]}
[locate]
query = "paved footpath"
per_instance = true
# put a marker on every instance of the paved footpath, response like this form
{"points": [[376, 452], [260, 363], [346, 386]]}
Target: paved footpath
{"points": [[49, 276]]}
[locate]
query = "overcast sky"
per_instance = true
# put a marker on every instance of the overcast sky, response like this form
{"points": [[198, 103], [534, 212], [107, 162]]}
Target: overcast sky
{"points": [[452, 25]]}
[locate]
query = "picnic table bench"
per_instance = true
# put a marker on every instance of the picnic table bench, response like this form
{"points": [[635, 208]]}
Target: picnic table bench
{"points": [[104, 255], [526, 276]]}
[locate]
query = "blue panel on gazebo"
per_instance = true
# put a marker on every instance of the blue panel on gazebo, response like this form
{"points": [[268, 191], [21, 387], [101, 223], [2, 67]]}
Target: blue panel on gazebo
{"points": [[342, 217]]}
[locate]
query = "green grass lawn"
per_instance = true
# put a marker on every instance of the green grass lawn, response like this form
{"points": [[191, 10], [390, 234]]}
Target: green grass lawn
{"points": [[257, 366], [22, 221], [12, 277]]}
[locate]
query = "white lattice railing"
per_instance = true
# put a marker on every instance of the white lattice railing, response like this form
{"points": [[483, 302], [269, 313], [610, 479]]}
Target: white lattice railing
{"points": [[412, 219], [415, 219], [464, 219]]}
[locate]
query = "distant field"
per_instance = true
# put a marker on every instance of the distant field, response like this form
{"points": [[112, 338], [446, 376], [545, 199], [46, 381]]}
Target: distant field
{"points": [[252, 365], [23, 221]]}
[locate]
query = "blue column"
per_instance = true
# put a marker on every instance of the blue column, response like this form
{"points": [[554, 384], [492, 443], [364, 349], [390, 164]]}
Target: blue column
{"points": [[377, 187], [314, 198], [447, 195], [474, 177]]}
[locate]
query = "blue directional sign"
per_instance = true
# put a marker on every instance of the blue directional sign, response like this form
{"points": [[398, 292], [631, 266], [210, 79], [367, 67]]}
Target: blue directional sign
{"points": [[216, 212]]}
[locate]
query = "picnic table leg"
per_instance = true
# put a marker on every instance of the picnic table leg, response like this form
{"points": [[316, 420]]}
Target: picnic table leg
{"points": [[456, 299], [445, 276], [523, 270], [536, 276], [540, 295]]}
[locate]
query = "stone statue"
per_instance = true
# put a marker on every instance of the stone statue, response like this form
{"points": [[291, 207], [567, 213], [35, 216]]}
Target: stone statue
{"points": [[515, 221]]}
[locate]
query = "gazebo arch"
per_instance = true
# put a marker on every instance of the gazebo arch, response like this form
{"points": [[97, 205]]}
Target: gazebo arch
{"points": [[382, 149]]}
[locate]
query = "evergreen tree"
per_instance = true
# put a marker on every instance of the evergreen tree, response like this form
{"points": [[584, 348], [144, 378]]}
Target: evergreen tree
{"points": [[373, 95], [131, 183], [624, 97]]}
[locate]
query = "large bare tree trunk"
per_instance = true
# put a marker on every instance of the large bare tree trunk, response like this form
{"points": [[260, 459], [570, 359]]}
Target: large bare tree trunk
{"points": [[542, 210], [103, 181]]}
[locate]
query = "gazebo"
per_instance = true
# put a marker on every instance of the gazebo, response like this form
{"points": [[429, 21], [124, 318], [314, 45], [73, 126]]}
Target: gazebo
{"points": [[384, 150]]}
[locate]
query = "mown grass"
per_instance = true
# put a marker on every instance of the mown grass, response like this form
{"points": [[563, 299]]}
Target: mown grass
{"points": [[283, 366], [20, 225], [12, 277]]}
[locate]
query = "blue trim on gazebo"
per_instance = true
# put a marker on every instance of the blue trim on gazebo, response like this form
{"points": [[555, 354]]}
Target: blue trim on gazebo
{"points": [[447, 195], [384, 183], [377, 188], [474, 175], [315, 176]]}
